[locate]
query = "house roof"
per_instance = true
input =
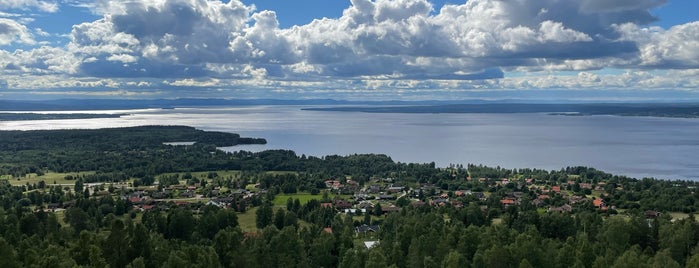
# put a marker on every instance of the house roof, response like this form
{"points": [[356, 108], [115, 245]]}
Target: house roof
{"points": [[367, 228], [507, 201], [598, 202], [370, 244]]}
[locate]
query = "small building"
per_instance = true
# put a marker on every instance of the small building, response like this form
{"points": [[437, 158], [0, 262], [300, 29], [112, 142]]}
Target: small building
{"points": [[364, 229], [556, 189], [652, 214]]}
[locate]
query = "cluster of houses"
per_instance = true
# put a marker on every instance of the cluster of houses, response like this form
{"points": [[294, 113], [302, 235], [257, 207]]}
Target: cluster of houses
{"points": [[367, 197]]}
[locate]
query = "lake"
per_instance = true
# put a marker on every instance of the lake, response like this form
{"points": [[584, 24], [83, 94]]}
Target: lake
{"points": [[664, 148]]}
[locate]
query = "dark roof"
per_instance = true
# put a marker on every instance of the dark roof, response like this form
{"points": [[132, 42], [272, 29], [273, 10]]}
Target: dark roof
{"points": [[367, 228]]}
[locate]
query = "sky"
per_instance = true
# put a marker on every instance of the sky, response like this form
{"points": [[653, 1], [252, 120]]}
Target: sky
{"points": [[590, 50]]}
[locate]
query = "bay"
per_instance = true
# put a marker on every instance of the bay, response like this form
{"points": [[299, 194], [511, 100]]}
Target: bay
{"points": [[639, 147]]}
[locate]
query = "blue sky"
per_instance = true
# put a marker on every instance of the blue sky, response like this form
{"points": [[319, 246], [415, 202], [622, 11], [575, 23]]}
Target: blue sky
{"points": [[359, 49]]}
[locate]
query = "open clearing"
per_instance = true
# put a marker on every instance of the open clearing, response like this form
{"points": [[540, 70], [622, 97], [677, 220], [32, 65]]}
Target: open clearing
{"points": [[48, 178], [247, 220]]}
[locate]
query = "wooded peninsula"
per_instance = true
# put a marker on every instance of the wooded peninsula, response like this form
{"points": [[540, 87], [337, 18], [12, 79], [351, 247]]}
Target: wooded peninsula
{"points": [[165, 196]]}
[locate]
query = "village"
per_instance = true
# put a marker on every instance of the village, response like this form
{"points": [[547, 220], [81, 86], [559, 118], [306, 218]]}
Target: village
{"points": [[377, 197]]}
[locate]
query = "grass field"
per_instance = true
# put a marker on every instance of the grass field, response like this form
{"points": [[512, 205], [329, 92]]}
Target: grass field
{"points": [[680, 215], [48, 178], [247, 220]]}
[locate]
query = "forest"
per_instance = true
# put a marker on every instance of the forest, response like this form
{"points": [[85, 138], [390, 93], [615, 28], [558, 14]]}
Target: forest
{"points": [[98, 221]]}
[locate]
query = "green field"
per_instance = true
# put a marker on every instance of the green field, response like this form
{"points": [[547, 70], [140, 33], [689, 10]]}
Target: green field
{"points": [[48, 178], [247, 220]]}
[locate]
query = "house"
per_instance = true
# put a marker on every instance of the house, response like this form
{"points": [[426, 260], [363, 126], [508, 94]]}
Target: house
{"points": [[353, 211], [564, 208], [342, 204], [53, 206], [556, 189], [328, 230], [395, 189], [506, 202], [386, 197], [364, 228], [365, 205], [326, 205], [135, 200], [479, 195], [439, 201], [215, 203], [370, 244], [390, 209], [598, 203], [652, 214]]}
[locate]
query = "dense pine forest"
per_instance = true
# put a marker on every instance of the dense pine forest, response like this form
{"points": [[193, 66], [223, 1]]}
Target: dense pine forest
{"points": [[124, 198]]}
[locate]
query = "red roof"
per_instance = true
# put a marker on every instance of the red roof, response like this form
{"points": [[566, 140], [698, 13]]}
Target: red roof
{"points": [[328, 230], [556, 189], [507, 201], [598, 202]]}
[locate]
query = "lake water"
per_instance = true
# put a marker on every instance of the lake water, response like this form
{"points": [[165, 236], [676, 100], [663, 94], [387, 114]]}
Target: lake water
{"points": [[634, 146]]}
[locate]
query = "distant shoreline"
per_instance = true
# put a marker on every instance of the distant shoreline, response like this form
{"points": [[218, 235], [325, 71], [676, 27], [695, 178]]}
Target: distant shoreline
{"points": [[42, 116], [621, 109]]}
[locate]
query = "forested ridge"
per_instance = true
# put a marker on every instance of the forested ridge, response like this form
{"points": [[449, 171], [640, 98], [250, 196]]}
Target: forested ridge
{"points": [[194, 206]]}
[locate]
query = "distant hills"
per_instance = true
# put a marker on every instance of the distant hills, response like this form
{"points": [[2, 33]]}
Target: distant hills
{"points": [[688, 110], [684, 110]]}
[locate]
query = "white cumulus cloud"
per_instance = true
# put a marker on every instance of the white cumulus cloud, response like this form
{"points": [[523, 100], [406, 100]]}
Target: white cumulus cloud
{"points": [[12, 31], [46, 6], [374, 44]]}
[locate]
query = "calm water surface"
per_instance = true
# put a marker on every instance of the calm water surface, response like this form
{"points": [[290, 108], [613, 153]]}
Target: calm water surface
{"points": [[634, 146]]}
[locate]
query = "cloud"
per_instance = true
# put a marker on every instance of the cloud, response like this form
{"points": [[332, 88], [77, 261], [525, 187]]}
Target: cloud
{"points": [[591, 6], [12, 31], [45, 6], [389, 38], [373, 45], [677, 47]]}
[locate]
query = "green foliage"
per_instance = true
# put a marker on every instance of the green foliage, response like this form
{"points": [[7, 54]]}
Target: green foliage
{"points": [[100, 231]]}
